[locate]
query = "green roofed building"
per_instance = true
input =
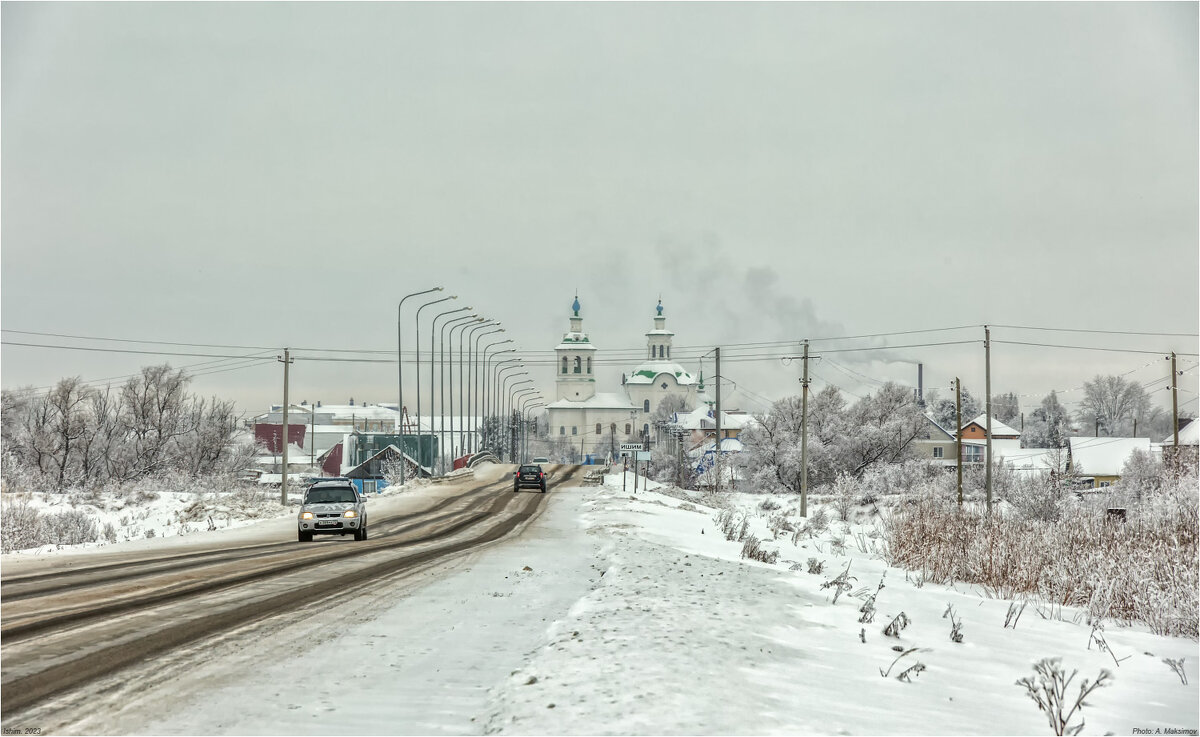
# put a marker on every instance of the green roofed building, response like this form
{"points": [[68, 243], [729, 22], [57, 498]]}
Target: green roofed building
{"points": [[596, 422]]}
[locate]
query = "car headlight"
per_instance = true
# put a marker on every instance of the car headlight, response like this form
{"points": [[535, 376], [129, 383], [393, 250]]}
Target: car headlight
{"points": [[349, 513], [306, 515]]}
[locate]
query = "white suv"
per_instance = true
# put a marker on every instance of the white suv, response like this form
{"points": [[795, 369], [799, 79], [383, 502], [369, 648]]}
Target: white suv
{"points": [[332, 508]]}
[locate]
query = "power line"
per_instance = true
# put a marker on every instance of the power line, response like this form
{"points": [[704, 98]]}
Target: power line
{"points": [[1102, 332], [126, 350], [148, 342], [1090, 348]]}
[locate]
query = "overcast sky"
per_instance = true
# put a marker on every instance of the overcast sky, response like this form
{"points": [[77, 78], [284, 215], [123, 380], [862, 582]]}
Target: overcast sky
{"points": [[281, 174]]}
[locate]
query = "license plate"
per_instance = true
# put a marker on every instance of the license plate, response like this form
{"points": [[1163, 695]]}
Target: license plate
{"points": [[332, 523]]}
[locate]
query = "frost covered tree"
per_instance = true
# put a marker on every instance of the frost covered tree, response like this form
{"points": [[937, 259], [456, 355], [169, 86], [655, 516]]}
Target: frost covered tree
{"points": [[884, 426], [1048, 426], [667, 407], [877, 429], [944, 413], [1114, 403], [1006, 408], [76, 435]]}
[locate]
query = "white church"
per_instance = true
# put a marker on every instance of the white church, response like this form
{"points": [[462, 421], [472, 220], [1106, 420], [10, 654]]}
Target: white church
{"points": [[597, 422]]}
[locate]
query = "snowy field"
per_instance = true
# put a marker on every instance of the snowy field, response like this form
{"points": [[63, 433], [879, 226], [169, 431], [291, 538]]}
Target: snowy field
{"points": [[623, 614]]}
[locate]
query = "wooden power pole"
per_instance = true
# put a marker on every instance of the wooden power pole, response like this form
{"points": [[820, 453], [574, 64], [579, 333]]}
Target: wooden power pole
{"points": [[958, 433], [717, 418], [1174, 406], [804, 436], [987, 364], [287, 360]]}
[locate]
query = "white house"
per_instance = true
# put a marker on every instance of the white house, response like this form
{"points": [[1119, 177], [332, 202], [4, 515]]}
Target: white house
{"points": [[1103, 459]]}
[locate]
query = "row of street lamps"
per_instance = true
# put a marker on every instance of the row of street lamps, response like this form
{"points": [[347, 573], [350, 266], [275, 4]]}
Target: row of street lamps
{"points": [[483, 389]]}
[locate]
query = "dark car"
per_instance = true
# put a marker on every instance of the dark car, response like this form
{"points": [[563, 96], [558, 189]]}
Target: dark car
{"points": [[332, 508], [529, 476]]}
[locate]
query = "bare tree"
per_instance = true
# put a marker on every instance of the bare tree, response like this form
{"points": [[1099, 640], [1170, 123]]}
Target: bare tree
{"points": [[1114, 403], [153, 409]]}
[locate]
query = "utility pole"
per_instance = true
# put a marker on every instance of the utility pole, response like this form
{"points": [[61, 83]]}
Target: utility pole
{"points": [[987, 363], [717, 417], [287, 360], [1174, 407], [804, 436], [958, 433]]}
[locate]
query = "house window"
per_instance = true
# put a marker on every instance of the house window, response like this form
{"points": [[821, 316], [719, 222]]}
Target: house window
{"points": [[628, 428], [574, 430], [589, 364], [562, 429], [938, 452], [564, 364], [577, 370], [972, 454], [368, 486], [598, 430], [646, 405]]}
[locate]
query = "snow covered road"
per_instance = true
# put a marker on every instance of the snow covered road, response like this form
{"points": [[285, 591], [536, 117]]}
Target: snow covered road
{"points": [[619, 615]]}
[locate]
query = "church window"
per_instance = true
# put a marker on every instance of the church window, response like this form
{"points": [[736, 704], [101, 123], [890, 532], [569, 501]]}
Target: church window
{"points": [[564, 364], [646, 429], [628, 428], [574, 430], [598, 429], [668, 351], [589, 364], [660, 352], [562, 429], [646, 405], [577, 363]]}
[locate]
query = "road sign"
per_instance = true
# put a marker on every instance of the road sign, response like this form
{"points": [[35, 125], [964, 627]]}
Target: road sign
{"points": [[643, 455]]}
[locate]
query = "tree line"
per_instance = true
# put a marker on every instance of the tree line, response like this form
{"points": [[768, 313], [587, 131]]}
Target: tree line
{"points": [[79, 436], [849, 439]]}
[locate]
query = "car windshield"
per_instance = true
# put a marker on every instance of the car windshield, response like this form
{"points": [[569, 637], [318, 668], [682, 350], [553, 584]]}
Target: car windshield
{"points": [[335, 495], [531, 469]]}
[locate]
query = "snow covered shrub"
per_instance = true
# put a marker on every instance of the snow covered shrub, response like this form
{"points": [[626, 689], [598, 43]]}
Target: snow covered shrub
{"points": [[752, 549], [845, 490], [1142, 474], [1140, 570], [1043, 498], [1049, 692], [725, 521], [69, 528], [768, 505], [817, 523], [816, 566], [22, 527]]}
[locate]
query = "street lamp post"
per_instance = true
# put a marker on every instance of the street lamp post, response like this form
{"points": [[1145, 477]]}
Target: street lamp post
{"points": [[432, 333], [527, 402], [496, 405], [481, 387], [512, 410], [496, 400], [503, 398], [462, 331], [418, 372], [472, 356], [453, 325], [400, 367], [485, 377], [511, 392]]}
